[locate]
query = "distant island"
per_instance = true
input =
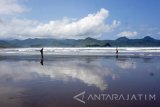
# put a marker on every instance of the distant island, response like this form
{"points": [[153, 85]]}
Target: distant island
{"points": [[87, 42]]}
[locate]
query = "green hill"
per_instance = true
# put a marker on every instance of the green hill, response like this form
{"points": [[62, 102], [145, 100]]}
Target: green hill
{"points": [[88, 42]]}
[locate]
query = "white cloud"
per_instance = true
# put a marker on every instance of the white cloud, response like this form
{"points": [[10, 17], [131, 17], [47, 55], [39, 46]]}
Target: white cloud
{"points": [[128, 34], [92, 25], [10, 7], [158, 33], [17, 28]]}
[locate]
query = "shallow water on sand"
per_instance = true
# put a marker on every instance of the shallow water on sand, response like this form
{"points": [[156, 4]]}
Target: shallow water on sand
{"points": [[24, 82]]}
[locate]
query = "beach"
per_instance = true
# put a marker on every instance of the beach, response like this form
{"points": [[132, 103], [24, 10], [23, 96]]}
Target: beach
{"points": [[67, 72]]}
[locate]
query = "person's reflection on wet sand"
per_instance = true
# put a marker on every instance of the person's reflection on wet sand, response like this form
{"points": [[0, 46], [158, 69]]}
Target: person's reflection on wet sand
{"points": [[116, 57], [41, 61], [41, 51]]}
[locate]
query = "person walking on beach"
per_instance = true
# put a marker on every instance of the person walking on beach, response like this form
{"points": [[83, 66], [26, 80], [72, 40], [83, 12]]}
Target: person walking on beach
{"points": [[41, 51]]}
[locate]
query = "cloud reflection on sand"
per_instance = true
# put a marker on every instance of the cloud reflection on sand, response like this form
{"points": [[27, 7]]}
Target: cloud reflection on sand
{"points": [[126, 64], [92, 74]]}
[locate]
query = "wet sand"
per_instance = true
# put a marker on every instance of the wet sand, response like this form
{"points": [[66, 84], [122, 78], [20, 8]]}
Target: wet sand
{"points": [[24, 82]]}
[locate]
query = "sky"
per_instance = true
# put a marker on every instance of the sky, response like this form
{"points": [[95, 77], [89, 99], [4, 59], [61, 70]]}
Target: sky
{"points": [[78, 19]]}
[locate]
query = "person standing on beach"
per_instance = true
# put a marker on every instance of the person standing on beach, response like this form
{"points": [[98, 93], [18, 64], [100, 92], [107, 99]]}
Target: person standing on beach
{"points": [[117, 51]]}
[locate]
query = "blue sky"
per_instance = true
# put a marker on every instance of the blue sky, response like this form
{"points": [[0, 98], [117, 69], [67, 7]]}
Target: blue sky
{"points": [[109, 19]]}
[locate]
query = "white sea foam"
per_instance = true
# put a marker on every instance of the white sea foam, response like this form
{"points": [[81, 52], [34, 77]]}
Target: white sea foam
{"points": [[83, 51]]}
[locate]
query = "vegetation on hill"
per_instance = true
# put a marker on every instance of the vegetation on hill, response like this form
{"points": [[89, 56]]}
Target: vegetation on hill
{"points": [[88, 42]]}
